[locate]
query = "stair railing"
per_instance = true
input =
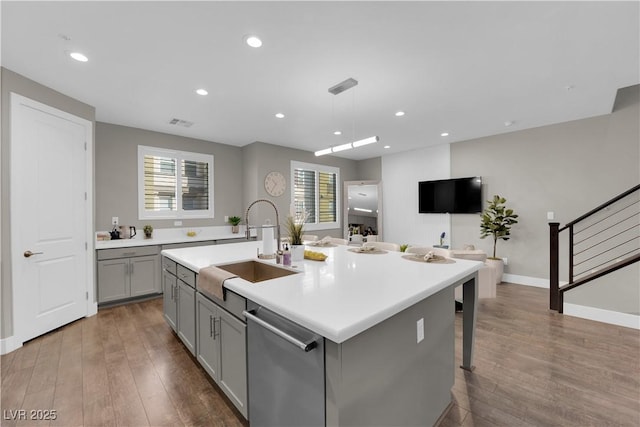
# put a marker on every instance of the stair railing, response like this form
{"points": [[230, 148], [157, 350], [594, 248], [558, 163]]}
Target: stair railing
{"points": [[601, 241]]}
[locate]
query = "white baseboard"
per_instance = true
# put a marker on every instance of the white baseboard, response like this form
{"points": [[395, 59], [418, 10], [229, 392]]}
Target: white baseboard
{"points": [[600, 315], [9, 344], [525, 280]]}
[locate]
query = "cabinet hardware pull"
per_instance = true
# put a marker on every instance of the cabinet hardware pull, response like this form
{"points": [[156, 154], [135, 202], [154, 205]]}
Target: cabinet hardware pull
{"points": [[304, 346], [131, 269], [216, 331], [211, 323], [172, 293]]}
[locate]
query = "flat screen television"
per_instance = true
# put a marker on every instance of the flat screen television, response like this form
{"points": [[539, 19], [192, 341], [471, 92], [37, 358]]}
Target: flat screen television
{"points": [[457, 195]]}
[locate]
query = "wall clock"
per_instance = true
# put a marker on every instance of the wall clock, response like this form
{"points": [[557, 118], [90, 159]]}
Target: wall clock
{"points": [[275, 184]]}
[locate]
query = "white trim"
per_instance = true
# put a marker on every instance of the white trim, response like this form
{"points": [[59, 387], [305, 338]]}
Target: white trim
{"points": [[600, 315], [15, 101], [9, 344], [179, 213], [526, 280], [318, 168]]}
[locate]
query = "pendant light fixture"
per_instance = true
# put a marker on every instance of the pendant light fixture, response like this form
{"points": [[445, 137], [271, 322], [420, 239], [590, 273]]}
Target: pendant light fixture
{"points": [[335, 90]]}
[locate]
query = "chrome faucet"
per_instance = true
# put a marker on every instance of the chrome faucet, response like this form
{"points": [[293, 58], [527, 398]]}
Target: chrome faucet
{"points": [[277, 226]]}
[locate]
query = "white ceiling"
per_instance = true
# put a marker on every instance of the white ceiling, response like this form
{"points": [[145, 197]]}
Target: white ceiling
{"points": [[461, 67]]}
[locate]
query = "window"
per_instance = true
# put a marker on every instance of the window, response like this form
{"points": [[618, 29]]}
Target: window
{"points": [[315, 190], [174, 184]]}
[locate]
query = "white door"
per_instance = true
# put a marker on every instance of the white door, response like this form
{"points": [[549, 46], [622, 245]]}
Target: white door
{"points": [[50, 218]]}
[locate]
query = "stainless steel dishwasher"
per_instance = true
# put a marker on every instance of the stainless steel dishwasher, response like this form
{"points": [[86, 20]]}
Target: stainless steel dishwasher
{"points": [[286, 371]]}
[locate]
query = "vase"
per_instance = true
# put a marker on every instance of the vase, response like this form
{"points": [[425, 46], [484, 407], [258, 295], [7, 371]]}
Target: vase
{"points": [[297, 253], [235, 229], [498, 268]]}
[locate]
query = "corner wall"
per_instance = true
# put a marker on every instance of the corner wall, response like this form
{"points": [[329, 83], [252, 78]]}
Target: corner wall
{"points": [[567, 168], [260, 158], [117, 175]]}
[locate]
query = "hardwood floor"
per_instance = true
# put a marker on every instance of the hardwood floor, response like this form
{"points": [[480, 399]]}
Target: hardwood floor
{"points": [[126, 367]]}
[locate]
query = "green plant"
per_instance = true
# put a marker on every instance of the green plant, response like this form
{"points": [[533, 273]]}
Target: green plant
{"points": [[496, 221], [404, 247], [147, 229], [234, 220], [295, 228]]}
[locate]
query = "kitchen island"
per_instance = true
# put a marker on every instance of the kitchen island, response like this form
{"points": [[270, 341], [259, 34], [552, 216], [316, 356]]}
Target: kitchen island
{"points": [[387, 326]]}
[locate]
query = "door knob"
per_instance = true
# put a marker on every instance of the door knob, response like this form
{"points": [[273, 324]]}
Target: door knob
{"points": [[27, 254]]}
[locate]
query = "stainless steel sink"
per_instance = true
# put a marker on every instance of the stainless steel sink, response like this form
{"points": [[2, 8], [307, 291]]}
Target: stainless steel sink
{"points": [[254, 271]]}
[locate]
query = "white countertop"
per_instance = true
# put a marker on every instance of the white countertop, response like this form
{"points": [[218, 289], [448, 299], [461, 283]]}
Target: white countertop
{"points": [[337, 298], [166, 236]]}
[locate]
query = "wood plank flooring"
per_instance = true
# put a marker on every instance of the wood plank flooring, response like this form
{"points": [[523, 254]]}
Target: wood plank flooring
{"points": [[125, 366]]}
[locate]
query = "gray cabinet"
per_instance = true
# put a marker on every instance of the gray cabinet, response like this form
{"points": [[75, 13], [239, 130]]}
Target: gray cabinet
{"points": [[186, 319], [169, 285], [179, 301], [222, 350], [127, 272]]}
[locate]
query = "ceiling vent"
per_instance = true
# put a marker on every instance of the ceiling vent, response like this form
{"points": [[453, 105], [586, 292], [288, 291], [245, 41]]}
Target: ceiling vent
{"points": [[180, 122], [342, 86]]}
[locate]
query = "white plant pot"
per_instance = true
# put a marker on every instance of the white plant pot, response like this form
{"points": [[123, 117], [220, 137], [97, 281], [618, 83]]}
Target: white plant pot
{"points": [[498, 268], [297, 253]]}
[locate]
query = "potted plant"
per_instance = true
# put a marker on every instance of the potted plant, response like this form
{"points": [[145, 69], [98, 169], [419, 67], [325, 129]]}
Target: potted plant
{"points": [[295, 228], [235, 221], [148, 231], [496, 221]]}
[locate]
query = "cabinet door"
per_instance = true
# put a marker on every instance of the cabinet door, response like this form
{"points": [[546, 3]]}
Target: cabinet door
{"points": [[144, 275], [113, 279], [187, 316], [169, 290], [232, 373], [207, 337]]}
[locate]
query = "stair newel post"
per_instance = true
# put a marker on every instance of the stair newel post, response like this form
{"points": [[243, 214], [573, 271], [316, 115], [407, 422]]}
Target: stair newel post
{"points": [[553, 265]]}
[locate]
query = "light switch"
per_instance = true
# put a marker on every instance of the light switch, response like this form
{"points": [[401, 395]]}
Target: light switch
{"points": [[114, 220], [420, 330], [551, 215]]}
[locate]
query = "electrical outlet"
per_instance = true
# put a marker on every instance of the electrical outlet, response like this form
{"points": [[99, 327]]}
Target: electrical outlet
{"points": [[551, 216], [114, 220], [177, 223], [505, 260], [420, 330], [226, 218]]}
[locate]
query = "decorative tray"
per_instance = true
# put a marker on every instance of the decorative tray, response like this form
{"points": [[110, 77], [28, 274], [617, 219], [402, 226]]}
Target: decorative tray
{"points": [[435, 259], [367, 250]]}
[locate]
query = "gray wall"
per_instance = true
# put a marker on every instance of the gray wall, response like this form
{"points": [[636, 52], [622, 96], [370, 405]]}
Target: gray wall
{"points": [[116, 172], [13, 82], [260, 158], [369, 169], [568, 168]]}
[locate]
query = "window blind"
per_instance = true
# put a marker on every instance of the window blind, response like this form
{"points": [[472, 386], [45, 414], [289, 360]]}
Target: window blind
{"points": [[195, 185], [304, 196], [327, 197], [160, 182]]}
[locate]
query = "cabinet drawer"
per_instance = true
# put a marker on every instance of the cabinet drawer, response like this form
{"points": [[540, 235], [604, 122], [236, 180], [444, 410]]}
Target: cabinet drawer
{"points": [[169, 265], [234, 303], [127, 252], [186, 275]]}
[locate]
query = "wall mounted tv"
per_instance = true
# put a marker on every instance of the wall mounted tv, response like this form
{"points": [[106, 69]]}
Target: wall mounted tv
{"points": [[457, 195]]}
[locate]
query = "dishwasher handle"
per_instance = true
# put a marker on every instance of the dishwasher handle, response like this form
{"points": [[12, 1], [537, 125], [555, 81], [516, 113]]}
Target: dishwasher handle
{"points": [[304, 346]]}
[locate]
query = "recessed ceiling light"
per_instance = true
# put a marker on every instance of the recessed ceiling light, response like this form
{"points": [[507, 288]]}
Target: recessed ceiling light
{"points": [[337, 132], [202, 92], [444, 134], [78, 56], [399, 113], [280, 115], [387, 146], [253, 41]]}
